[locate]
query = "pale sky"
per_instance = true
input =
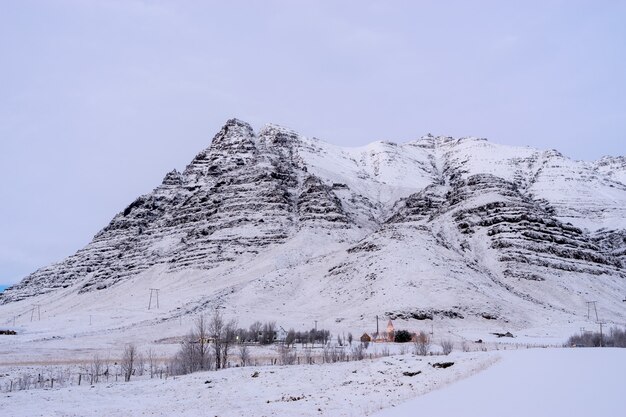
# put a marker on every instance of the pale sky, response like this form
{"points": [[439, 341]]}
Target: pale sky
{"points": [[99, 99]]}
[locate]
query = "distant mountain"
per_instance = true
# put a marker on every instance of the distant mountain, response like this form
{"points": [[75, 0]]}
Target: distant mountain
{"points": [[455, 229]]}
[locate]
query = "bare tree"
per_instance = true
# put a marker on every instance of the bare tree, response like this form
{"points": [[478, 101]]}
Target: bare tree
{"points": [[422, 344], [186, 360], [201, 336], [358, 353], [95, 369], [287, 356], [255, 329], [216, 332], [128, 361], [290, 339], [244, 354], [325, 336], [195, 352], [151, 362], [447, 346], [228, 338], [269, 330], [350, 339], [141, 364]]}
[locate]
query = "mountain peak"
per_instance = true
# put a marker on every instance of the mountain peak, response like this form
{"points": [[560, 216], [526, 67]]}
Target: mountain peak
{"points": [[236, 135]]}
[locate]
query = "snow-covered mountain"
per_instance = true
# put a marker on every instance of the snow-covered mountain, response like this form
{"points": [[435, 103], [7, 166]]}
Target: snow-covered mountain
{"points": [[275, 224]]}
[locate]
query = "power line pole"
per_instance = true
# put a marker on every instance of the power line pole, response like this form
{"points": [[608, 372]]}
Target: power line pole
{"points": [[595, 309], [32, 312], [154, 291], [376, 327], [601, 323]]}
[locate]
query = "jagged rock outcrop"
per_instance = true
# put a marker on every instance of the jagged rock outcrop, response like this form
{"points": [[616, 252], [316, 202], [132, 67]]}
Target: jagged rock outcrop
{"points": [[238, 196]]}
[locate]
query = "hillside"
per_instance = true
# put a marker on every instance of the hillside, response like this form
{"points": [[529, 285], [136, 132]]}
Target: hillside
{"points": [[275, 225]]}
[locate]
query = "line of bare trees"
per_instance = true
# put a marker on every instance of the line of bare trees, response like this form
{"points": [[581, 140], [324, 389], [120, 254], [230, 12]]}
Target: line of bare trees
{"points": [[266, 334], [207, 346], [615, 337]]}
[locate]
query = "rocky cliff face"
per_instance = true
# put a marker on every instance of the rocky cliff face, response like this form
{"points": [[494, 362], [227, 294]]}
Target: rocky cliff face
{"points": [[243, 193], [479, 221]]}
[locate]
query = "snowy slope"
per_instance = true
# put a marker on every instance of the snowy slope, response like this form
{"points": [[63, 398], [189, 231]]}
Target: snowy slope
{"points": [[275, 225]]}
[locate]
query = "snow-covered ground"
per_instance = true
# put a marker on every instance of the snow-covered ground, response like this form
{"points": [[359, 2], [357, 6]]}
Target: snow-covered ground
{"points": [[339, 389], [532, 382], [525, 382]]}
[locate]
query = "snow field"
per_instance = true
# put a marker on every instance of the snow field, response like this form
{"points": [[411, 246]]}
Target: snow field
{"points": [[532, 382], [340, 389]]}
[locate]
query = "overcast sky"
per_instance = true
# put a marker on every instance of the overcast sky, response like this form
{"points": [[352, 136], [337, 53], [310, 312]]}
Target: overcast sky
{"points": [[99, 99]]}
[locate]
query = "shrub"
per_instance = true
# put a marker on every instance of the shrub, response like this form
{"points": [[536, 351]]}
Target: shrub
{"points": [[402, 336], [447, 346], [422, 344], [287, 356]]}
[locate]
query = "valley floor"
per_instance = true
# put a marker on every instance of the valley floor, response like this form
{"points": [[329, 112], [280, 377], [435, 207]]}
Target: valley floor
{"points": [[538, 382]]}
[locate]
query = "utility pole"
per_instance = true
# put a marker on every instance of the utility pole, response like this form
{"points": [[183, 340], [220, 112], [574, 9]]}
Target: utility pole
{"points": [[376, 327], [601, 323], [154, 291], [595, 309], [32, 312]]}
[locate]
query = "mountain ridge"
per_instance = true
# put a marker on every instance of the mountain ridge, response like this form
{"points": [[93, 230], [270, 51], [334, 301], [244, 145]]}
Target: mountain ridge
{"points": [[481, 222]]}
